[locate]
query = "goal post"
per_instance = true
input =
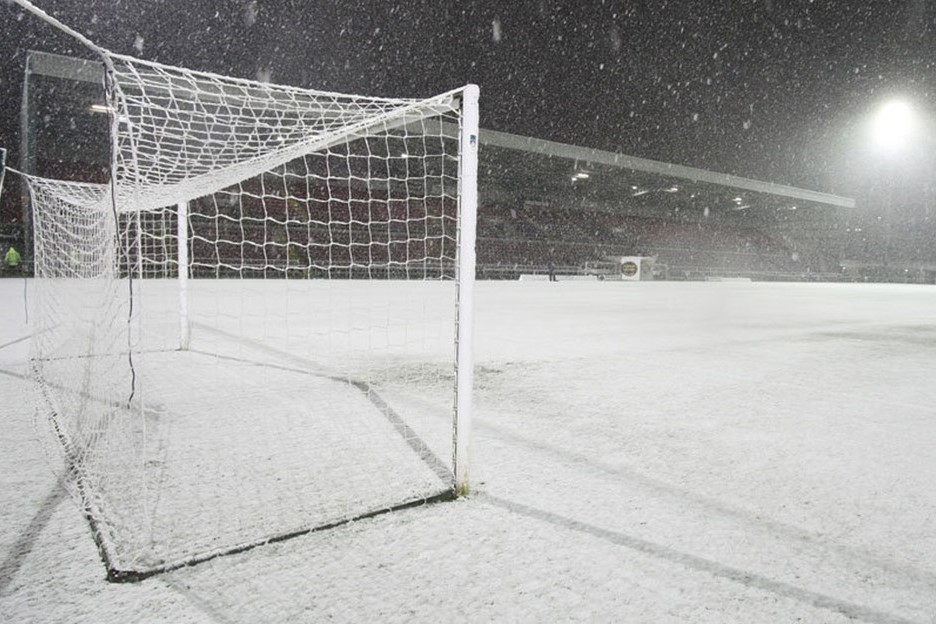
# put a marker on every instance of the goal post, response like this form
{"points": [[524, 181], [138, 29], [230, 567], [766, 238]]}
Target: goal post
{"points": [[261, 325], [183, 271], [468, 181]]}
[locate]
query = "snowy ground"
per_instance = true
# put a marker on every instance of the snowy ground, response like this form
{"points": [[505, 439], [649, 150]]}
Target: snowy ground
{"points": [[644, 452]]}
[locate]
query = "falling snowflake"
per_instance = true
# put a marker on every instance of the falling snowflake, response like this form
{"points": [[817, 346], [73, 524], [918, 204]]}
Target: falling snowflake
{"points": [[250, 13]]}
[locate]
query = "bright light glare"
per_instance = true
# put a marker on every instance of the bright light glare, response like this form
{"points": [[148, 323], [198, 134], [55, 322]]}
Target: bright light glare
{"points": [[893, 125]]}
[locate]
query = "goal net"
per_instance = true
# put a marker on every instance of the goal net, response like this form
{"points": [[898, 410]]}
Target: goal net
{"points": [[260, 326]]}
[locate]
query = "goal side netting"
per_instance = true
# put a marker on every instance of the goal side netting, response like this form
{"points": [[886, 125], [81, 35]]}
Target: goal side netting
{"points": [[260, 326]]}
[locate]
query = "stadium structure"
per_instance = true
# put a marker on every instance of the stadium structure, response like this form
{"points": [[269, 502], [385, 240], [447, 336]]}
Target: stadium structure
{"points": [[550, 206]]}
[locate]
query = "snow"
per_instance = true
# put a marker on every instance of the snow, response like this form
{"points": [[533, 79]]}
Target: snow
{"points": [[643, 452]]}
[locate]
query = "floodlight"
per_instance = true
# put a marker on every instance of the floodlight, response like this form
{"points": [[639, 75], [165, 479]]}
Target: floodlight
{"points": [[894, 123]]}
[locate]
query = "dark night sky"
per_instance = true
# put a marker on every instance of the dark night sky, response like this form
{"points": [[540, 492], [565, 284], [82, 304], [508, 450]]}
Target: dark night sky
{"points": [[771, 89]]}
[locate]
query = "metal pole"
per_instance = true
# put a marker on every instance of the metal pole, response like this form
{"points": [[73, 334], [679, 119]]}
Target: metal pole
{"points": [[467, 231], [182, 245], [27, 164]]}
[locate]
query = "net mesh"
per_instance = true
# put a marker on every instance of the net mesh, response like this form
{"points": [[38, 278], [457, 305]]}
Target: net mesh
{"points": [[307, 242], [183, 134]]}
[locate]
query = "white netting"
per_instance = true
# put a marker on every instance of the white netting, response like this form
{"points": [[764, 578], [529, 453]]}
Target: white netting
{"points": [[318, 238], [184, 134], [75, 264]]}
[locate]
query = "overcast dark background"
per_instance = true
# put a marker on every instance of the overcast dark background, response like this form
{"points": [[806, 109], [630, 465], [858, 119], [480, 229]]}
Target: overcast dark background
{"points": [[779, 90]]}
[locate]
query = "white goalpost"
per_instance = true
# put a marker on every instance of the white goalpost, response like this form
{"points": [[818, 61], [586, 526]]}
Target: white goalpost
{"points": [[261, 325]]}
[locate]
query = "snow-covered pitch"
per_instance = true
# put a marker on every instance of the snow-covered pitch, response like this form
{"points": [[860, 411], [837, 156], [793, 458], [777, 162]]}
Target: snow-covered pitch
{"points": [[643, 452]]}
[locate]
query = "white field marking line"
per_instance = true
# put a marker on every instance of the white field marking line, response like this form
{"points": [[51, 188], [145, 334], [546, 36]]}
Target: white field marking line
{"points": [[713, 505], [926, 408], [701, 564], [202, 604], [26, 542], [310, 367], [17, 341], [27, 337]]}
